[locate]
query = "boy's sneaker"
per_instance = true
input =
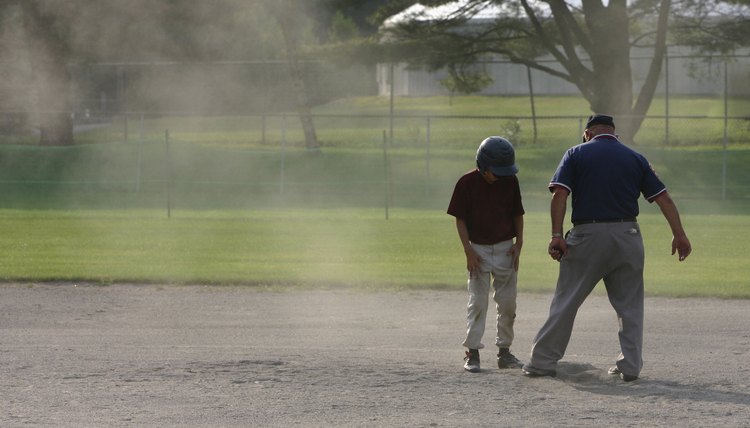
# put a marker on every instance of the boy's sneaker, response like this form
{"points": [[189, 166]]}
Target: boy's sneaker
{"points": [[506, 360], [471, 361]]}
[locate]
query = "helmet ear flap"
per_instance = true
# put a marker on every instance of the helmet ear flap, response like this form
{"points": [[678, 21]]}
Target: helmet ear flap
{"points": [[482, 162]]}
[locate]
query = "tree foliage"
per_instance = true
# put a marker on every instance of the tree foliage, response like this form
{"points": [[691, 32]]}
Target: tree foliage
{"points": [[465, 79], [57, 36], [713, 27], [590, 43]]}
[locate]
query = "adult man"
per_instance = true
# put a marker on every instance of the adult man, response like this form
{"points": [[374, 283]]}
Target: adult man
{"points": [[605, 178], [486, 203]]}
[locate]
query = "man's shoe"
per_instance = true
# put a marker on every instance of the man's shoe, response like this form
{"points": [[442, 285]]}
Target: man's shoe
{"points": [[616, 371], [535, 372], [471, 361], [506, 360]]}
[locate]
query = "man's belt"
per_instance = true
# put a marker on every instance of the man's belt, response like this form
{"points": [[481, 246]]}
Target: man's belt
{"points": [[614, 220]]}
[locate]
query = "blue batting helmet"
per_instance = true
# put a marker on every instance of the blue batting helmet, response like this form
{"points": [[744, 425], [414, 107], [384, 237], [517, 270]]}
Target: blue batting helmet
{"points": [[497, 155]]}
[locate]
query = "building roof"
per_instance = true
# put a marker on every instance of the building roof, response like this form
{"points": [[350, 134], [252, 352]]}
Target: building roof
{"points": [[456, 9]]}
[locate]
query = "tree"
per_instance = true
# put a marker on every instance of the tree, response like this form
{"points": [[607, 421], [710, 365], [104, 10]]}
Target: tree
{"points": [[60, 36], [327, 15], [290, 15], [465, 80], [50, 75], [57, 35], [591, 42], [713, 27]]}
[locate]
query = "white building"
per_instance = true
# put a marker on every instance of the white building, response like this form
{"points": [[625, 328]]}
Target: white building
{"points": [[688, 74]]}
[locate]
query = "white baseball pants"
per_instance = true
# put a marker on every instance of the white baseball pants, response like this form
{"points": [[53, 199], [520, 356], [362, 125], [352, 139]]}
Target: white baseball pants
{"points": [[496, 270]]}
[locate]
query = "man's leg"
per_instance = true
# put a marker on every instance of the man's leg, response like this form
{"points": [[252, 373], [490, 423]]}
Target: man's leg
{"points": [[625, 292], [580, 271], [551, 341]]}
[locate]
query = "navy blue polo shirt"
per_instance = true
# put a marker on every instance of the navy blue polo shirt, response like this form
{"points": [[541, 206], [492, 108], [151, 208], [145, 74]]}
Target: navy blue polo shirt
{"points": [[605, 179]]}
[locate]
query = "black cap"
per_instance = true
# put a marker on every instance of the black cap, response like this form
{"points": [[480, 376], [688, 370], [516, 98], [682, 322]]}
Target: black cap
{"points": [[600, 119]]}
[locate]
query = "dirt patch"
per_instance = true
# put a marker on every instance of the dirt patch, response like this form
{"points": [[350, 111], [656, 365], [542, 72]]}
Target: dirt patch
{"points": [[236, 356]]}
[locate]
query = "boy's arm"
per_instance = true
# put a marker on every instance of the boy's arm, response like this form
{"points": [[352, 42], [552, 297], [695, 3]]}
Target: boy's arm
{"points": [[515, 250], [472, 258]]}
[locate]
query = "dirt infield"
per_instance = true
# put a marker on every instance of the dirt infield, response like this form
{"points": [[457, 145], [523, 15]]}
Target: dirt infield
{"points": [[148, 355]]}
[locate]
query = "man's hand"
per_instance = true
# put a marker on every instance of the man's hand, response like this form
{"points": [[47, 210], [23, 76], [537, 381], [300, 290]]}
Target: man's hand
{"points": [[680, 242], [681, 245], [557, 248]]}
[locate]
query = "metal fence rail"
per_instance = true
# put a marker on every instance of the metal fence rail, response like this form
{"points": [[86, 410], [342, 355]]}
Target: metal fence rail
{"points": [[181, 161]]}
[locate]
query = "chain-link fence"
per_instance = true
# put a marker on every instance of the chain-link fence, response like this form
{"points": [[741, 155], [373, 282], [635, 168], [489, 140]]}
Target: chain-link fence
{"points": [[189, 162], [201, 136]]}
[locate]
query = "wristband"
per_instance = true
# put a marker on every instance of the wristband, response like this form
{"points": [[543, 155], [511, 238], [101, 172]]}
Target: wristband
{"points": [[556, 235]]}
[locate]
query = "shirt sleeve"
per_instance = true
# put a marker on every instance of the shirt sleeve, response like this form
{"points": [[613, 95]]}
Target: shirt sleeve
{"points": [[563, 176], [652, 186], [518, 205], [459, 204]]}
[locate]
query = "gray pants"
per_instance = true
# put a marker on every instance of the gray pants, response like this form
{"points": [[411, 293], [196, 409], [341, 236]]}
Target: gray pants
{"points": [[612, 252], [496, 269]]}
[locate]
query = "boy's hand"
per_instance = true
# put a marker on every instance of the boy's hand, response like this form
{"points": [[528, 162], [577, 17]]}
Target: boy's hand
{"points": [[473, 261], [515, 252]]}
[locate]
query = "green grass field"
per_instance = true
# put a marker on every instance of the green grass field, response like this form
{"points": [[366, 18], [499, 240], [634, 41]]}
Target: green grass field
{"points": [[329, 248], [247, 212]]}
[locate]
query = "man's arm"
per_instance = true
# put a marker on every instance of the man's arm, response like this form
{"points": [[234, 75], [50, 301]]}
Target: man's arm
{"points": [[680, 241], [557, 245], [472, 258]]}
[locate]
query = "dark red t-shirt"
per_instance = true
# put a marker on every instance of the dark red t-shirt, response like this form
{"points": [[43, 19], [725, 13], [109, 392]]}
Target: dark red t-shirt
{"points": [[488, 209]]}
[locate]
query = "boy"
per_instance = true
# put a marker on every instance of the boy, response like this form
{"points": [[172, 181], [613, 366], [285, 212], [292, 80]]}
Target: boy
{"points": [[486, 203]]}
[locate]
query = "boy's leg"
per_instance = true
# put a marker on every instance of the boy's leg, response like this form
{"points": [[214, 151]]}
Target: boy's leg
{"points": [[505, 293], [479, 290], [505, 302]]}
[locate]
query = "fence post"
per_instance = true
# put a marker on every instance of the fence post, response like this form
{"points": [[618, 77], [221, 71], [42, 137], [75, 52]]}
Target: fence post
{"points": [[263, 129], [391, 107], [533, 107], [123, 99], [726, 136], [139, 159], [386, 175], [427, 158], [283, 154], [666, 98], [169, 174]]}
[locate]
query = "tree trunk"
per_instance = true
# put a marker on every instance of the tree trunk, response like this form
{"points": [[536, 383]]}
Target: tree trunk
{"points": [[51, 77], [612, 85], [284, 13], [646, 94]]}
